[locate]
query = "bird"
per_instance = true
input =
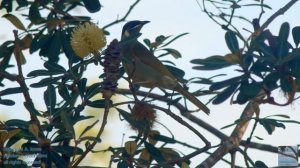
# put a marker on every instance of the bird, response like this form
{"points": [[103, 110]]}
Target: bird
{"points": [[144, 68]]}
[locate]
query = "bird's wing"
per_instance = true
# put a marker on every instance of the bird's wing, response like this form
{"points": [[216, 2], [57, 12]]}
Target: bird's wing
{"points": [[149, 59]]}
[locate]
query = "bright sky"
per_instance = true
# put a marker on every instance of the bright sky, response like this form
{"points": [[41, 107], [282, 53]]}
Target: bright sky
{"points": [[173, 17]]}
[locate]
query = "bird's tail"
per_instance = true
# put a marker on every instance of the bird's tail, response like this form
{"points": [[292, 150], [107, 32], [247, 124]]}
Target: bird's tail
{"points": [[192, 98]]}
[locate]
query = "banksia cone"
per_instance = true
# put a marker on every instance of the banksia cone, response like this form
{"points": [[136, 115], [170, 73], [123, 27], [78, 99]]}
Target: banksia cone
{"points": [[144, 114], [111, 66]]}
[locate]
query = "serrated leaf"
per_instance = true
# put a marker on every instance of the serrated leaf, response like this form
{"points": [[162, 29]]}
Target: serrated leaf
{"points": [[92, 5], [225, 94], [15, 21], [232, 42]]}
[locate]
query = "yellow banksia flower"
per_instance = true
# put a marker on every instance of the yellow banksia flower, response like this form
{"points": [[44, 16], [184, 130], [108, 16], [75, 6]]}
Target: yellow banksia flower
{"points": [[87, 38]]}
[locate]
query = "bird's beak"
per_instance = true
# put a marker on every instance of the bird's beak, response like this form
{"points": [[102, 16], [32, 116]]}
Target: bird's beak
{"points": [[144, 22]]}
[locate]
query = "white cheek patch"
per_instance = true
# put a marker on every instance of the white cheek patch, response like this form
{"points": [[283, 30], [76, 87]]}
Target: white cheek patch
{"points": [[126, 33]]}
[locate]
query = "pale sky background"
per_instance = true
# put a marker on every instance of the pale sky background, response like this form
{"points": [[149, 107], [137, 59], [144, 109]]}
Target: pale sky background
{"points": [[173, 17]]}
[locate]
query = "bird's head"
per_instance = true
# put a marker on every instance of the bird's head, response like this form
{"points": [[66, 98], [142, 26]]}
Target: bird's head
{"points": [[132, 28]]}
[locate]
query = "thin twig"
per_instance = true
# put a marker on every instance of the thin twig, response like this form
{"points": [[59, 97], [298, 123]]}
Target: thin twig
{"points": [[124, 17], [281, 11], [20, 78], [90, 147]]}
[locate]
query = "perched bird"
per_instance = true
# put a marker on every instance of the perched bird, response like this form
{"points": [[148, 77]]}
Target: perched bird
{"points": [[144, 68]]}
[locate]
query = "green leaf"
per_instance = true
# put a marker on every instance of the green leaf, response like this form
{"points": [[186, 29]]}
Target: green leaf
{"points": [[96, 103], [45, 82], [41, 72], [251, 89], [178, 73], [67, 150], [282, 40], [50, 98], [225, 83], [7, 102], [176, 54], [296, 35], [30, 107], [268, 52], [260, 164], [7, 4], [81, 86], [54, 67], [211, 63], [17, 123], [38, 42], [64, 93], [88, 128], [62, 137], [225, 94], [67, 122], [92, 5], [22, 3], [154, 152], [175, 38], [34, 13], [67, 49], [54, 47], [232, 42], [270, 125], [286, 85], [9, 91], [258, 5], [92, 90], [147, 42], [58, 160], [164, 139], [15, 21]]}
